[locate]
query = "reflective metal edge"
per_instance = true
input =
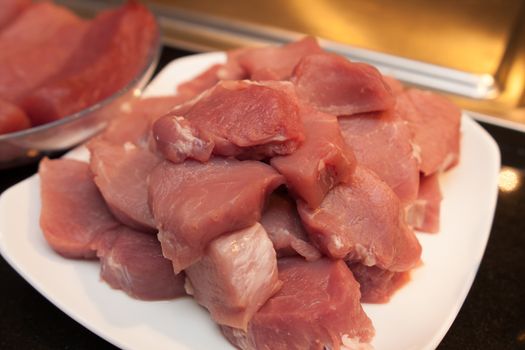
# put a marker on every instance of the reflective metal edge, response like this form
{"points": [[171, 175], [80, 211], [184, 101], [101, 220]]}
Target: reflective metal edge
{"points": [[198, 32]]}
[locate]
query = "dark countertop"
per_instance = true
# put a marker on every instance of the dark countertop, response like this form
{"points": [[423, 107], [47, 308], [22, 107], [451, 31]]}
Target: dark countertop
{"points": [[492, 317]]}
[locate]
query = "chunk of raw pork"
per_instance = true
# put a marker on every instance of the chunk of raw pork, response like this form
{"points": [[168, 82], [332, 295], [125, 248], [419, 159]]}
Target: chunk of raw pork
{"points": [[121, 173], [268, 63], [424, 213], [378, 285], [239, 118], [194, 203], [177, 139], [363, 221], [11, 9], [73, 211], [395, 85], [12, 118], [382, 142], [113, 51], [337, 86], [236, 276], [317, 308], [35, 47], [132, 261], [435, 125], [134, 122], [321, 162], [284, 227]]}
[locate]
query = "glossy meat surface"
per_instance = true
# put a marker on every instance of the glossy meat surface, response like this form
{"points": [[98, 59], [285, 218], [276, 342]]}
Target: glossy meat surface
{"points": [[236, 276], [73, 211], [121, 173], [318, 306], [321, 162], [132, 261], [193, 203], [363, 221]]}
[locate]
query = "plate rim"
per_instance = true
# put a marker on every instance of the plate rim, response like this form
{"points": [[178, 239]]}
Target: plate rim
{"points": [[487, 222]]}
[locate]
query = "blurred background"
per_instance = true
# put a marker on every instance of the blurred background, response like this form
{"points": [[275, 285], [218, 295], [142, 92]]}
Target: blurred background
{"points": [[473, 51]]}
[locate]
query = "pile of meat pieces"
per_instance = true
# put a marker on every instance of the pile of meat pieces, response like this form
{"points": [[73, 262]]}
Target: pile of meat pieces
{"points": [[280, 189], [54, 63]]}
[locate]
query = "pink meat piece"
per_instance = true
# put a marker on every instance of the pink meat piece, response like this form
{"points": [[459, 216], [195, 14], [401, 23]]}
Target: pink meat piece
{"points": [[73, 211], [241, 118], [200, 83], [423, 215], [274, 62], [284, 227], [132, 261], [395, 85], [321, 162], [382, 142], [194, 203], [377, 285], [232, 70], [113, 51], [35, 47], [176, 139], [11, 9], [35, 26], [317, 308], [134, 122], [12, 118], [435, 125], [121, 173], [236, 276], [363, 222], [337, 86]]}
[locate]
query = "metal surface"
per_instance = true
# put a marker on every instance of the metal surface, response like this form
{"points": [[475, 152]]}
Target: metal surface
{"points": [[474, 51]]}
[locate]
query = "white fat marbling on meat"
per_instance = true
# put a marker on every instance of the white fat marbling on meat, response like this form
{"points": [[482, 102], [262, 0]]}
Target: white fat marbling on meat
{"points": [[416, 151], [348, 343], [188, 287], [128, 146], [254, 258]]}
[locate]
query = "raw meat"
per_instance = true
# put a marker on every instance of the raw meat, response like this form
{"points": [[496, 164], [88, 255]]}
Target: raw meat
{"points": [[317, 307], [121, 173], [381, 141], [240, 118], [363, 222], [335, 85], [377, 285], [177, 139], [35, 47], [12, 118], [236, 276], [110, 55], [423, 215], [435, 125], [11, 9], [232, 70], [271, 63], [132, 261], [134, 122], [284, 227], [321, 162], [39, 23], [73, 211], [193, 203], [395, 85]]}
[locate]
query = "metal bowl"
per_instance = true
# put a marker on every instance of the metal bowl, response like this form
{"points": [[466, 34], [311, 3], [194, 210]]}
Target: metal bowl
{"points": [[29, 145]]}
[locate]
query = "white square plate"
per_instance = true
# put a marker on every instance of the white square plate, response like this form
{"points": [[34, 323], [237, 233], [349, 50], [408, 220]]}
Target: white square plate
{"points": [[417, 317]]}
